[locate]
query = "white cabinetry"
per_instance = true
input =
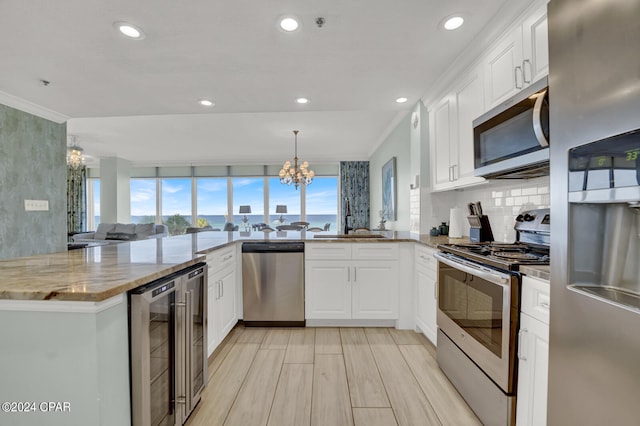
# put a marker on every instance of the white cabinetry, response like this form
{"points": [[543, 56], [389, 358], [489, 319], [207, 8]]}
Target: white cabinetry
{"points": [[222, 304], [351, 281], [425, 284], [452, 132], [533, 353], [520, 58]]}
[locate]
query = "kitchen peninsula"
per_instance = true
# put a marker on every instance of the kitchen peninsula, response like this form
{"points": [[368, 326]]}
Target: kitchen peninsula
{"points": [[65, 318]]}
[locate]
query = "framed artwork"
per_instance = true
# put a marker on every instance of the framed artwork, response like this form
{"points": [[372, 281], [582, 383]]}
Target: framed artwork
{"points": [[389, 189]]}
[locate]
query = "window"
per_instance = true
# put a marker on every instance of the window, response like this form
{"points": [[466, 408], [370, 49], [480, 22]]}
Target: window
{"points": [[93, 203], [212, 202], [248, 192], [143, 200], [283, 195], [176, 204], [322, 202]]}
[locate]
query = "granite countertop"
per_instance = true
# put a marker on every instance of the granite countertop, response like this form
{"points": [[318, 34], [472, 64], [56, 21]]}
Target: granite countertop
{"points": [[97, 273], [93, 274], [537, 271]]}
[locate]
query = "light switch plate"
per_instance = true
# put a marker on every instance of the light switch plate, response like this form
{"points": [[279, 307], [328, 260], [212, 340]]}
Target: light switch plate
{"points": [[36, 205]]}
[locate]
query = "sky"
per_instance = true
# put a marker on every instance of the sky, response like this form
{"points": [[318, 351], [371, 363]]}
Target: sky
{"points": [[322, 196]]}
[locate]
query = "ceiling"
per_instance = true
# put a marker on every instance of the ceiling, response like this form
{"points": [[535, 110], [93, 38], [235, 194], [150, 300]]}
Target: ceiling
{"points": [[137, 99]]}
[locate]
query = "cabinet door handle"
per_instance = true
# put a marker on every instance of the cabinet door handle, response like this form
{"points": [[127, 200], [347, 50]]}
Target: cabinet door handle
{"points": [[516, 76], [453, 171], [221, 289], [521, 339], [355, 274], [219, 282], [524, 71], [349, 275], [227, 258], [450, 176]]}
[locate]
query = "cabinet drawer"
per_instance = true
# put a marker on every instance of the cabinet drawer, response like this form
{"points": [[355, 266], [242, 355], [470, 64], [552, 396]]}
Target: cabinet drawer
{"points": [[423, 256], [374, 251], [327, 251], [536, 298], [221, 258]]}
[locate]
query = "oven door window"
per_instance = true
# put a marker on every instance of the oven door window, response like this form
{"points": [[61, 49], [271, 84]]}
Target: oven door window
{"points": [[476, 305]]}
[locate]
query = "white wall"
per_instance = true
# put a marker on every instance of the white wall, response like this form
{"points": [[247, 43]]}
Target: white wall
{"points": [[397, 144]]}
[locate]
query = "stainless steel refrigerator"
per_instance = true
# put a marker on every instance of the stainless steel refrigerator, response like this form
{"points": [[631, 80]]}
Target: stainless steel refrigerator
{"points": [[594, 95]]}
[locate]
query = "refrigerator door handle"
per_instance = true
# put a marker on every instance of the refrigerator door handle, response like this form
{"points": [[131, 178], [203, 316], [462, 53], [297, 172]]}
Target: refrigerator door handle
{"points": [[187, 353]]}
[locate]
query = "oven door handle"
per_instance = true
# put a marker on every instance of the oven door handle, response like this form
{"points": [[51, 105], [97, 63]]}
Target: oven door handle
{"points": [[494, 277]]}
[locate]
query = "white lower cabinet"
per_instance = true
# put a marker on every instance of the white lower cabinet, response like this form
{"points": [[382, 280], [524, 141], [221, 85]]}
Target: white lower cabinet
{"points": [[425, 284], [533, 353], [351, 288], [221, 298]]}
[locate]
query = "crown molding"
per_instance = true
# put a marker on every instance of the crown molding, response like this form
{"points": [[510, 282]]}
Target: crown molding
{"points": [[26, 106]]}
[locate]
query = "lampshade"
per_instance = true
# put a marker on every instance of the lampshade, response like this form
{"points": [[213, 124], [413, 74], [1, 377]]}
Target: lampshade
{"points": [[245, 209], [281, 208]]}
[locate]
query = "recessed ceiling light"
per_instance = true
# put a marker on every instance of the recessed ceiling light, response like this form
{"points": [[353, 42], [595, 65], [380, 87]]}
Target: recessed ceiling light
{"points": [[289, 24], [206, 102], [401, 100], [129, 30], [302, 100], [453, 22]]}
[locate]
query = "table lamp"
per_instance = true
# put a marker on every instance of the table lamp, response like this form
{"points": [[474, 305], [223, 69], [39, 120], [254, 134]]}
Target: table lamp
{"points": [[281, 208]]}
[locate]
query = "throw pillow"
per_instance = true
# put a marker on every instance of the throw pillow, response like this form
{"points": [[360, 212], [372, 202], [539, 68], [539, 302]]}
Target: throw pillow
{"points": [[127, 228], [103, 228], [145, 230], [122, 236]]}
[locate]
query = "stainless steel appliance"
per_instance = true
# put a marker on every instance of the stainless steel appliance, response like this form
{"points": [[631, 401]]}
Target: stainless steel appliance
{"points": [[167, 333], [594, 343], [478, 315], [511, 141], [273, 283]]}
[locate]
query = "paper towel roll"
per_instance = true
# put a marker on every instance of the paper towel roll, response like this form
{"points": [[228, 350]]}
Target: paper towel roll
{"points": [[456, 222]]}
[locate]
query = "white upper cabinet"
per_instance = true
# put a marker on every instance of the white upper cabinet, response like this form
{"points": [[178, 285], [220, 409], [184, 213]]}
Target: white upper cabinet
{"points": [[520, 58], [535, 43], [452, 132], [469, 105]]}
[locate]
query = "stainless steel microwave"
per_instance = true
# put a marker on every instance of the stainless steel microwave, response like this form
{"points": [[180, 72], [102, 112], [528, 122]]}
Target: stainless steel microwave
{"points": [[512, 140]]}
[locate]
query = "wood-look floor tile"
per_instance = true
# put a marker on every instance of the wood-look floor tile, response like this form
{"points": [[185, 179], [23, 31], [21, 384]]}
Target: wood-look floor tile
{"points": [[301, 346], [331, 404], [292, 402], [376, 330], [276, 339], [374, 417], [409, 403], [445, 400], [405, 337], [365, 385], [223, 387], [252, 335], [221, 352], [328, 341], [254, 400]]}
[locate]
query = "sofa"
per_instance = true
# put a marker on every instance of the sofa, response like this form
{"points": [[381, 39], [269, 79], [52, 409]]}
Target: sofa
{"points": [[119, 232]]}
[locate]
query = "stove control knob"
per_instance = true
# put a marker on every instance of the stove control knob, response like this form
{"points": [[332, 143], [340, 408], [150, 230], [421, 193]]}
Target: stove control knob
{"points": [[520, 218], [528, 218]]}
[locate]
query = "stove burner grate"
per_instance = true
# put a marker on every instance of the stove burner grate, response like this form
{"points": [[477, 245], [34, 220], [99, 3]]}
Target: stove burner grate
{"points": [[515, 255]]}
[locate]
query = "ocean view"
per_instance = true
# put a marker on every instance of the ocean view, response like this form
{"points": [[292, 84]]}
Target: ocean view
{"points": [[218, 221]]}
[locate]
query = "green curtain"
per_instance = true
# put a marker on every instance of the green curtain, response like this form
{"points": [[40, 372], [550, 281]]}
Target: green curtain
{"points": [[76, 199], [354, 186]]}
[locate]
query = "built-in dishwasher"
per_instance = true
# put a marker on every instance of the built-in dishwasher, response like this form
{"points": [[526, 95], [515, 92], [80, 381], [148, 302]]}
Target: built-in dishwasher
{"points": [[273, 283]]}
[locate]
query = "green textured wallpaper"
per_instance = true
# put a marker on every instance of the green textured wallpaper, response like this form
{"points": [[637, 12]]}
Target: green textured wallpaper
{"points": [[32, 167]]}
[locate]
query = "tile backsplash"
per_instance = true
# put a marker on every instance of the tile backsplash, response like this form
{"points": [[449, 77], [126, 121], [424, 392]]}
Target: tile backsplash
{"points": [[502, 201]]}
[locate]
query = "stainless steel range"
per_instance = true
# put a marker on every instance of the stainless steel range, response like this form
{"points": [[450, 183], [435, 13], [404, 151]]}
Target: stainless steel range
{"points": [[478, 314]]}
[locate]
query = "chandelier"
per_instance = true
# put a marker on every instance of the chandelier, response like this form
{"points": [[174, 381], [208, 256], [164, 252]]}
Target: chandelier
{"points": [[75, 158], [293, 174]]}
